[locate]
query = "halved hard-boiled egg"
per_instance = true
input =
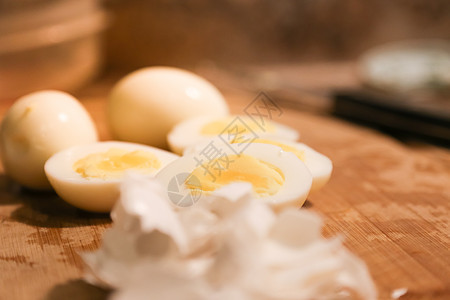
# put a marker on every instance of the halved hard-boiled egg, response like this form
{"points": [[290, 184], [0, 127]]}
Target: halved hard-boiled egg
{"points": [[88, 176], [192, 131], [318, 164], [278, 177]]}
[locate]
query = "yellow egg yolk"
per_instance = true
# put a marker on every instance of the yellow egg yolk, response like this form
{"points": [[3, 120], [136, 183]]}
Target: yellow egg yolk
{"points": [[265, 178], [243, 126], [112, 163], [299, 153]]}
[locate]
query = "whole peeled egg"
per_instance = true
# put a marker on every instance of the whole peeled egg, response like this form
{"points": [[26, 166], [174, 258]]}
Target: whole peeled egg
{"points": [[145, 105], [37, 126]]}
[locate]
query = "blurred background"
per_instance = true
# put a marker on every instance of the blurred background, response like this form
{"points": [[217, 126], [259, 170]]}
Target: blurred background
{"points": [[260, 31], [302, 51]]}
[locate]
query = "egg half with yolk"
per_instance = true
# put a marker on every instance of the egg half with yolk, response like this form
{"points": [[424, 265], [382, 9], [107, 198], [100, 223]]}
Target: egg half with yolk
{"points": [[318, 164], [192, 131], [277, 177], [88, 176]]}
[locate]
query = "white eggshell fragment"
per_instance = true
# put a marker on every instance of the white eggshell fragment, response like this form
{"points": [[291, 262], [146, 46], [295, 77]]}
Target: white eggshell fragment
{"points": [[147, 103], [96, 194], [37, 126], [229, 246]]}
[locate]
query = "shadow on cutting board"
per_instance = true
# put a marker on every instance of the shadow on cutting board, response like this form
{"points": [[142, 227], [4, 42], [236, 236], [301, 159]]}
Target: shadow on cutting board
{"points": [[44, 212], [44, 208], [77, 289]]}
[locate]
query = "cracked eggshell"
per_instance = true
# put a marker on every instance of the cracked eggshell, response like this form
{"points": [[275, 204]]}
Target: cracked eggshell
{"points": [[37, 126], [243, 250], [93, 194]]}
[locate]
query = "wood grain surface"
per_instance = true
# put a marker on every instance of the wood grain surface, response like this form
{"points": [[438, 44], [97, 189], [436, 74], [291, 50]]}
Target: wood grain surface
{"points": [[390, 201]]}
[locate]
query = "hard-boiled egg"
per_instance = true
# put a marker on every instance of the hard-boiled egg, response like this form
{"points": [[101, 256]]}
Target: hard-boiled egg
{"points": [[279, 178], [239, 128], [318, 164], [37, 126], [147, 103], [88, 176]]}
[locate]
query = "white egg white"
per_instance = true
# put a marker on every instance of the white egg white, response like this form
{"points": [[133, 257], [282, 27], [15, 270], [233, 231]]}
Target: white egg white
{"points": [[92, 194], [318, 164], [188, 133], [293, 192]]}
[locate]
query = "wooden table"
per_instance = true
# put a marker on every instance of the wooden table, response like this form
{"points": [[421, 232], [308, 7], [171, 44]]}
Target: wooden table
{"points": [[389, 200]]}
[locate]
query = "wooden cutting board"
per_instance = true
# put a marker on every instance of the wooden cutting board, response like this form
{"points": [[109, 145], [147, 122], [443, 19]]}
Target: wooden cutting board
{"points": [[389, 200]]}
